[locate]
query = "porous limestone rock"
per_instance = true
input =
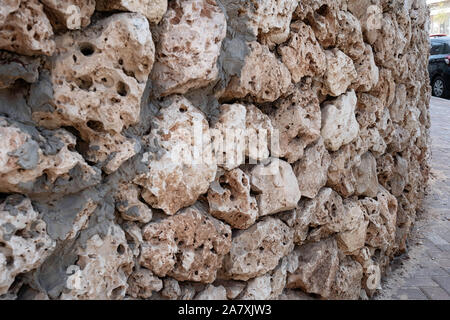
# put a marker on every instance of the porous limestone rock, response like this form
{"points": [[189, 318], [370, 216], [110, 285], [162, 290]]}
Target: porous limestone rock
{"points": [[142, 283], [370, 15], [354, 236], [312, 169], [318, 263], [25, 29], [276, 186], [366, 176], [7, 7], [189, 246], [263, 77], [259, 131], [347, 285], [97, 85], [339, 125], [340, 73], [71, 14], [102, 269], [181, 166], [257, 250], [267, 20], [154, 10], [302, 54], [341, 173], [230, 199], [382, 215], [24, 242], [297, 120], [367, 71], [268, 286], [129, 205], [14, 67], [349, 37], [24, 156], [189, 38], [229, 136], [239, 132], [212, 293], [115, 117], [321, 15]]}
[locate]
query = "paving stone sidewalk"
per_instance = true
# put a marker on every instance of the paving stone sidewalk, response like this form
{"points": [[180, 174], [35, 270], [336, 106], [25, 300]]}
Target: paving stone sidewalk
{"points": [[424, 272]]}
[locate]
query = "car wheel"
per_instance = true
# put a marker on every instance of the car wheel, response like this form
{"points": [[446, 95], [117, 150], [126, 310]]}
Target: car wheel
{"points": [[439, 87]]}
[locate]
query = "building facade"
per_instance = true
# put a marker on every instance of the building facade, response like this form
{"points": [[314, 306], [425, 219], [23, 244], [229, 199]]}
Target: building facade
{"points": [[440, 16]]}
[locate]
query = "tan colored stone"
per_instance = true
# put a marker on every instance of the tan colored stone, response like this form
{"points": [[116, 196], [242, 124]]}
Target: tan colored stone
{"points": [[212, 293], [321, 15], [348, 280], [339, 125], [23, 158], [302, 54], [324, 215], [262, 77], [341, 173], [257, 250], [259, 132], [233, 288], [24, 242], [366, 176], [180, 165], [382, 214], [25, 29], [129, 205], [189, 38], [268, 286], [188, 246], [230, 200], [318, 263], [8, 6], [72, 14], [298, 120], [367, 71], [102, 268], [229, 136], [349, 37], [340, 73], [276, 186], [353, 237], [142, 283], [312, 170], [154, 10], [171, 289], [370, 14], [98, 83], [267, 20]]}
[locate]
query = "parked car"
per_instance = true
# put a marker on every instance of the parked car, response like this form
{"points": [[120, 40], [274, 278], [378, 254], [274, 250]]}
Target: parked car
{"points": [[439, 66]]}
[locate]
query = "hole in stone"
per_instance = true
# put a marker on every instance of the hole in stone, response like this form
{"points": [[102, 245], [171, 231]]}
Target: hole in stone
{"points": [[84, 83], [87, 49], [95, 125], [9, 261], [117, 292], [122, 89], [120, 249]]}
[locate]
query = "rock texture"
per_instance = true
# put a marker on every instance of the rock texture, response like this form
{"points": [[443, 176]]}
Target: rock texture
{"points": [[206, 149]]}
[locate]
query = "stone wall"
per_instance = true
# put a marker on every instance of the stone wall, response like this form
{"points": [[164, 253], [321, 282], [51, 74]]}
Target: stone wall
{"points": [[97, 97]]}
